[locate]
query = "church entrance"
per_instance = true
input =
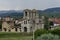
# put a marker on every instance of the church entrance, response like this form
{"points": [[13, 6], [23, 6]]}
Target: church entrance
{"points": [[25, 29], [5, 29]]}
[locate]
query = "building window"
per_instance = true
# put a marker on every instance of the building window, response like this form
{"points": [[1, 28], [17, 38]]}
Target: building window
{"points": [[33, 21], [9, 30], [28, 20], [20, 29], [20, 25], [39, 21], [25, 22], [16, 29], [25, 13], [29, 14]]}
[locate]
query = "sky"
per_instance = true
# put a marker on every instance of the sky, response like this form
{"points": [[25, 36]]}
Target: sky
{"points": [[28, 4]]}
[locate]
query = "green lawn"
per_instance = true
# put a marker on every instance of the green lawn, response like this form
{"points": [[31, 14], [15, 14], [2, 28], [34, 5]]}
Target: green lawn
{"points": [[15, 36]]}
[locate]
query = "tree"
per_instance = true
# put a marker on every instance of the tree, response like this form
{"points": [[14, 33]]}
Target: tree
{"points": [[46, 22], [0, 25], [48, 37]]}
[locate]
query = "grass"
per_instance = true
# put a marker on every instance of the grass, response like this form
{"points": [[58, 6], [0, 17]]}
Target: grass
{"points": [[15, 36]]}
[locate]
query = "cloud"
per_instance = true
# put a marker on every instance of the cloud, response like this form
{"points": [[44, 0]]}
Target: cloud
{"points": [[30, 4]]}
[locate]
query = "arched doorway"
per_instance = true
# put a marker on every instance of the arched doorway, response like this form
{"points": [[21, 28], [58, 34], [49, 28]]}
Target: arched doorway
{"points": [[5, 29], [25, 29]]}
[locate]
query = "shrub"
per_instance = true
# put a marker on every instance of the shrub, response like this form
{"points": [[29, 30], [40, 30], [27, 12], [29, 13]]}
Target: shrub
{"points": [[39, 32], [55, 31], [43, 31], [48, 37]]}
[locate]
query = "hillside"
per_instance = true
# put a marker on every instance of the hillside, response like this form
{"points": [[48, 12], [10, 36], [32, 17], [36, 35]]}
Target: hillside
{"points": [[51, 12], [11, 13], [55, 12]]}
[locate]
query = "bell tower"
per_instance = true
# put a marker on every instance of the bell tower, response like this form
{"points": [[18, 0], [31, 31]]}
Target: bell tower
{"points": [[35, 15], [27, 14]]}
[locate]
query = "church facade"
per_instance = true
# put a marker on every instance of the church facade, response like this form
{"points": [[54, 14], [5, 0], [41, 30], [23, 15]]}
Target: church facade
{"points": [[30, 21]]}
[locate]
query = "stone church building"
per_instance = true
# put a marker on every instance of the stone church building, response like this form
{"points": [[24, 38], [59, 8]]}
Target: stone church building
{"points": [[30, 21]]}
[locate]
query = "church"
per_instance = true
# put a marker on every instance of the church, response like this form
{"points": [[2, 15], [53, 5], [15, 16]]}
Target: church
{"points": [[30, 21]]}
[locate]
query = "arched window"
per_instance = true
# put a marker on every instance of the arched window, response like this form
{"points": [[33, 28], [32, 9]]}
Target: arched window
{"points": [[16, 29], [25, 22], [25, 13]]}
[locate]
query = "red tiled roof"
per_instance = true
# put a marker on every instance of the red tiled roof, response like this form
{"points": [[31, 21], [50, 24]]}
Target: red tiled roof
{"points": [[55, 20]]}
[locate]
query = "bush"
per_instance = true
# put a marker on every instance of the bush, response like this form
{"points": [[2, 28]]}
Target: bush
{"points": [[55, 31], [48, 37], [39, 32], [43, 31]]}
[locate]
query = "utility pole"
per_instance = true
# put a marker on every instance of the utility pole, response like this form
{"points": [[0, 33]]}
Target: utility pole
{"points": [[33, 34], [33, 30]]}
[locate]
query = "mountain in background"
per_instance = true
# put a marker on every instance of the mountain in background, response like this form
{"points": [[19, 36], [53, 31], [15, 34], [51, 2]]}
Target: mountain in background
{"points": [[55, 12], [12, 13]]}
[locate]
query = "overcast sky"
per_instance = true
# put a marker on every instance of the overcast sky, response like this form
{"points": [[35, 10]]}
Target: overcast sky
{"points": [[29, 4]]}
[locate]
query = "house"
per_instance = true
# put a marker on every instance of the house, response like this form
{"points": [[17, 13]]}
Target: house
{"points": [[56, 21]]}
